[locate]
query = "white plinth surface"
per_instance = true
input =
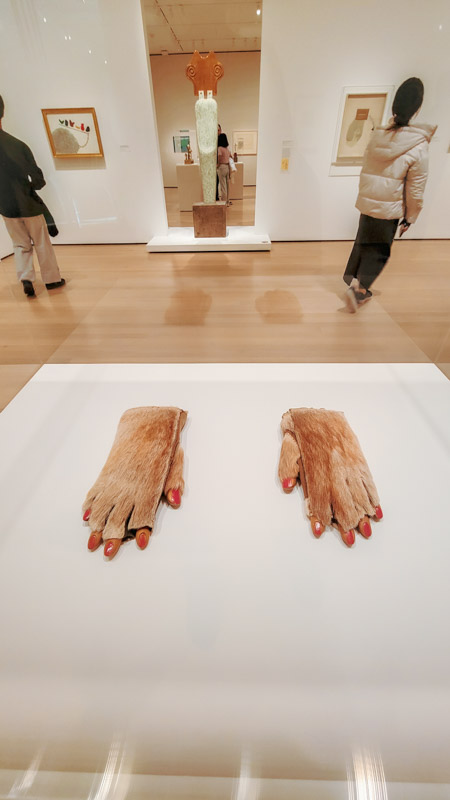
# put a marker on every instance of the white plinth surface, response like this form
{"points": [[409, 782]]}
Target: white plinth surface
{"points": [[183, 240], [236, 643], [189, 183]]}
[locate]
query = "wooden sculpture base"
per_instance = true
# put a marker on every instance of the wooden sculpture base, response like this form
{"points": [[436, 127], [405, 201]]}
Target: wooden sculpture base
{"points": [[210, 220]]}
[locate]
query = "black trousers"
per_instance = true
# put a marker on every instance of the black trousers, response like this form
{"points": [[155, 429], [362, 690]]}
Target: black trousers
{"points": [[371, 250]]}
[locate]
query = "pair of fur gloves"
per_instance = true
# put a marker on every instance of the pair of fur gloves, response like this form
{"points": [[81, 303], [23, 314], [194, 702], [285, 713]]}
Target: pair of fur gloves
{"points": [[145, 465]]}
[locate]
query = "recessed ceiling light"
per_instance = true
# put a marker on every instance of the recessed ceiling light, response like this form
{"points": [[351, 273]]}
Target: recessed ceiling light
{"points": [[45, 19], [258, 11]]}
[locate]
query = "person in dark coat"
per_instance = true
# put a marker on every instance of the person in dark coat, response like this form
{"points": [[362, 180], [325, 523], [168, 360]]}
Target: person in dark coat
{"points": [[27, 218]]}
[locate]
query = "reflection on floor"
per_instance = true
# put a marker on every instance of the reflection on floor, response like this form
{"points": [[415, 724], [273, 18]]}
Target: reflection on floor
{"points": [[122, 304], [241, 212]]}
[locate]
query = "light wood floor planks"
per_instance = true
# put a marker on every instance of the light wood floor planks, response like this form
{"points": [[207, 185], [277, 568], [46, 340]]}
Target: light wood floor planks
{"points": [[122, 304]]}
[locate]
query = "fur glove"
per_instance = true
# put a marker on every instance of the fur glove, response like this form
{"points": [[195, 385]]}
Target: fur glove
{"points": [[320, 449], [145, 461]]}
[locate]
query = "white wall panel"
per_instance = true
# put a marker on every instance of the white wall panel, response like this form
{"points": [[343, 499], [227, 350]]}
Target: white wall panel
{"points": [[310, 51], [115, 199]]}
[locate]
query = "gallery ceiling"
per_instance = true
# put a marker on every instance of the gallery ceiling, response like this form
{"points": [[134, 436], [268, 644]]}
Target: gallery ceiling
{"points": [[187, 25]]}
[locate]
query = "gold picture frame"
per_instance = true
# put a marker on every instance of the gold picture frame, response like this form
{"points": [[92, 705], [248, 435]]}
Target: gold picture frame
{"points": [[71, 130]]}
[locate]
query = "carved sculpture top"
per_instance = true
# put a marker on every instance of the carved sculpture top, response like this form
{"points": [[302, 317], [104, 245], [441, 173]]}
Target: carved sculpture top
{"points": [[204, 72]]}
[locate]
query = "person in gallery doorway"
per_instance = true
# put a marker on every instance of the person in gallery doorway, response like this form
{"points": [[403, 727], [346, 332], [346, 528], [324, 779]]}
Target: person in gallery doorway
{"points": [[391, 187], [223, 167], [27, 218]]}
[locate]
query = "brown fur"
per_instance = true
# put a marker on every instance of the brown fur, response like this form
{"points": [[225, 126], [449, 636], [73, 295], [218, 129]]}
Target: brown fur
{"points": [[144, 460], [337, 479]]}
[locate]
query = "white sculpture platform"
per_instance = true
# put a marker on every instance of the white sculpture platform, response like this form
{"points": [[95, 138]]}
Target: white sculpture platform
{"points": [[236, 645], [183, 240]]}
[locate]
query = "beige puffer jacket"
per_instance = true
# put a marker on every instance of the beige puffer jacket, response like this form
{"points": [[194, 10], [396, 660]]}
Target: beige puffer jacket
{"points": [[394, 172]]}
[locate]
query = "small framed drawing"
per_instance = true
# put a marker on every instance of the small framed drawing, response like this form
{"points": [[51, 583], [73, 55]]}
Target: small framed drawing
{"points": [[73, 132], [181, 142], [361, 110], [245, 143]]}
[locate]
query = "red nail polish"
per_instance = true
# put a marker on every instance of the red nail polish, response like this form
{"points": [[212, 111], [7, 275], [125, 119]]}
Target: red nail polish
{"points": [[378, 512], [92, 543], [367, 529], [86, 515], [109, 548], [317, 529], [176, 497], [350, 538], [142, 541], [287, 483]]}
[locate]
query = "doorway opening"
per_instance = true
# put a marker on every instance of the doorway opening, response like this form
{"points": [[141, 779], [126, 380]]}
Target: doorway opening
{"points": [[174, 32]]}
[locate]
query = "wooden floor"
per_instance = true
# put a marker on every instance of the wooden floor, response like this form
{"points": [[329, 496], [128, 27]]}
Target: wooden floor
{"points": [[122, 304]]}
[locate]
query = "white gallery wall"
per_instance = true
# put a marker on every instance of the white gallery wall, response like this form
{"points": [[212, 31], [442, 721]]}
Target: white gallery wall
{"points": [[237, 99], [83, 53], [309, 52]]}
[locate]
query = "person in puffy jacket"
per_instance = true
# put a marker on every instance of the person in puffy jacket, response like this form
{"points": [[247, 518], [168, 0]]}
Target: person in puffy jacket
{"points": [[391, 187]]}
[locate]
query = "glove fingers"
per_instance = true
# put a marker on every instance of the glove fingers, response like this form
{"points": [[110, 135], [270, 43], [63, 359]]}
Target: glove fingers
{"points": [[117, 523], [369, 486], [316, 527], [348, 536], [174, 497], [288, 467], [364, 527], [361, 497], [101, 507], [142, 537]]}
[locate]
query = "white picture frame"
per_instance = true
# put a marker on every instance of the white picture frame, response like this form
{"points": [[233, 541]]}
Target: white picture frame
{"points": [[245, 143], [361, 109]]}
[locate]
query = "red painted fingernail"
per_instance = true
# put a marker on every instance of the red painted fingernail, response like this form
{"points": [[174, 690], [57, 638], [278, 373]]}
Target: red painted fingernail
{"points": [[350, 538], [109, 548], [378, 512], [92, 543], [86, 515], [367, 529], [176, 497], [142, 541], [317, 529], [287, 483]]}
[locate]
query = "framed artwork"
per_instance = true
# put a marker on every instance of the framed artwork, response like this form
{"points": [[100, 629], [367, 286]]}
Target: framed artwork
{"points": [[245, 143], [181, 142], [73, 132], [361, 110]]}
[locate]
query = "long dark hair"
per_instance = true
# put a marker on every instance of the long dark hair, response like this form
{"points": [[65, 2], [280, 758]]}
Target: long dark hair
{"points": [[408, 99], [222, 141]]}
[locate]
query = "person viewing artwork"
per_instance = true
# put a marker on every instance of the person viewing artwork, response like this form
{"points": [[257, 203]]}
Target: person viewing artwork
{"points": [[223, 167], [27, 218], [391, 187]]}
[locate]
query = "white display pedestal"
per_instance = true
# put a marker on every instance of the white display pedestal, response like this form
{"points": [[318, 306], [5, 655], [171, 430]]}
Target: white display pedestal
{"points": [[189, 186], [183, 240], [237, 642]]}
